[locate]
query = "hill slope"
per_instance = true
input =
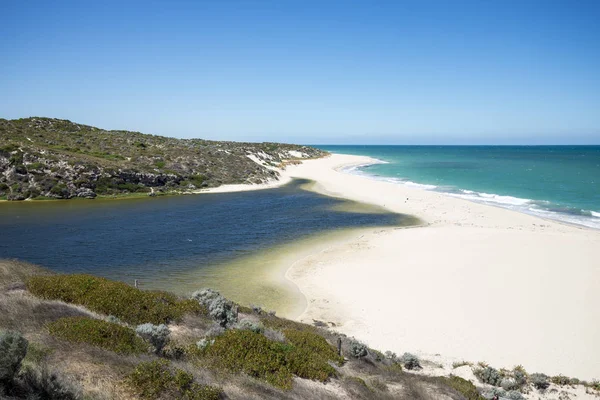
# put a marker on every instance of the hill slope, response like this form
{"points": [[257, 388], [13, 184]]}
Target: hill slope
{"points": [[46, 157]]}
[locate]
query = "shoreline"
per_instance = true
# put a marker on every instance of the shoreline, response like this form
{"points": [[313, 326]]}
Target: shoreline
{"points": [[477, 282]]}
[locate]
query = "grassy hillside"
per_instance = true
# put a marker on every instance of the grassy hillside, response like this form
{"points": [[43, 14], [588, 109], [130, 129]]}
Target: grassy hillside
{"points": [[53, 158], [82, 339]]}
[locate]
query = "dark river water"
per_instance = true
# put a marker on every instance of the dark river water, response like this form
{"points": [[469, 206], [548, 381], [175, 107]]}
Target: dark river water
{"points": [[180, 242]]}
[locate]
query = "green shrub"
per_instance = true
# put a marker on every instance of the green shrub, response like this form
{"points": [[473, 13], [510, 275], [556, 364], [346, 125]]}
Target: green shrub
{"points": [[151, 380], [13, 348], [113, 298], [357, 349], [488, 375], [276, 363], [250, 325], [539, 381], [157, 335], [463, 386], [224, 311], [561, 380], [410, 361], [99, 333], [314, 343]]}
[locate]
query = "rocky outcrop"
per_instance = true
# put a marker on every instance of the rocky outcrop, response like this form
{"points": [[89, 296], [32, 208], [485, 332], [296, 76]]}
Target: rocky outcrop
{"points": [[52, 158]]}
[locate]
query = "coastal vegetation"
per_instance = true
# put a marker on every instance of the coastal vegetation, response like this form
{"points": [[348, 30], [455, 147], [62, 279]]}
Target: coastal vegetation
{"points": [[47, 158], [89, 337]]}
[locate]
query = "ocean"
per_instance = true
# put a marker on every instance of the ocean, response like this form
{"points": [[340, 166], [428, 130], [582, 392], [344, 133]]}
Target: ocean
{"points": [[555, 182]]}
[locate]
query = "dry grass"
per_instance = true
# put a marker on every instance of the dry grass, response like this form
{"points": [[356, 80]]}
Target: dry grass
{"points": [[15, 273]]}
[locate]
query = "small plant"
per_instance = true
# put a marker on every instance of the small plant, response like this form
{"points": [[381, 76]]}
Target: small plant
{"points": [[410, 361], [151, 380], [488, 375], [250, 325], [539, 381], [513, 395], [99, 333], [390, 355], [222, 310], [13, 349], [560, 380], [520, 375], [464, 387], [357, 349], [203, 343], [157, 335], [113, 319], [509, 384], [459, 364], [256, 309]]}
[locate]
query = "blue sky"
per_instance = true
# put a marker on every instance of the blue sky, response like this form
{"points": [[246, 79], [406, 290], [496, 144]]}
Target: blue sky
{"points": [[405, 72]]}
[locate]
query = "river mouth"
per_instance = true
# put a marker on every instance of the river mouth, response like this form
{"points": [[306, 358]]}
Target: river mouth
{"points": [[238, 243]]}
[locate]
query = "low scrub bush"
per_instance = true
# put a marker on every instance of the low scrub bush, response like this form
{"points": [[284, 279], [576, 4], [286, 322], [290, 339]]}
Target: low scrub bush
{"points": [[157, 379], [509, 384], [520, 376], [157, 335], [250, 325], [222, 310], [410, 361], [539, 381], [13, 349], [488, 375], [99, 333], [276, 363], [113, 298], [314, 343], [357, 349], [464, 387], [560, 380]]}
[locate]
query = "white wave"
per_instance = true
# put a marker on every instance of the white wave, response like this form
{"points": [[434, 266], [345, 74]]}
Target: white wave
{"points": [[527, 206]]}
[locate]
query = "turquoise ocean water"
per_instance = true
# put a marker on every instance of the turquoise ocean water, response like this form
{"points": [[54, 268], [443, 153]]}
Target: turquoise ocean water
{"points": [[556, 182]]}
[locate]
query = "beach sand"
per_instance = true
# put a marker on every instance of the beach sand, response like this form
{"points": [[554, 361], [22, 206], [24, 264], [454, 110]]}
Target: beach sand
{"points": [[476, 282]]}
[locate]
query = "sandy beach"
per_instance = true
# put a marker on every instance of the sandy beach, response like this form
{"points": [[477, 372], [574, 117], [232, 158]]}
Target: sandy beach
{"points": [[475, 282]]}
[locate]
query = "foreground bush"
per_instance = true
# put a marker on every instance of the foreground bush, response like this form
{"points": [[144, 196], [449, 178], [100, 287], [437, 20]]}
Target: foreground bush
{"points": [[99, 333], [222, 310], [13, 348], [157, 335], [254, 354], [113, 298], [151, 380]]}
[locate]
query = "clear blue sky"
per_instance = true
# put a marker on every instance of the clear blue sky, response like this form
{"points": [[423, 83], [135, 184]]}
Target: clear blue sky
{"points": [[403, 72]]}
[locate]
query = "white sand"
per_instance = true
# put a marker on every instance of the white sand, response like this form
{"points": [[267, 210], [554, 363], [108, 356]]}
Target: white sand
{"points": [[478, 283]]}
